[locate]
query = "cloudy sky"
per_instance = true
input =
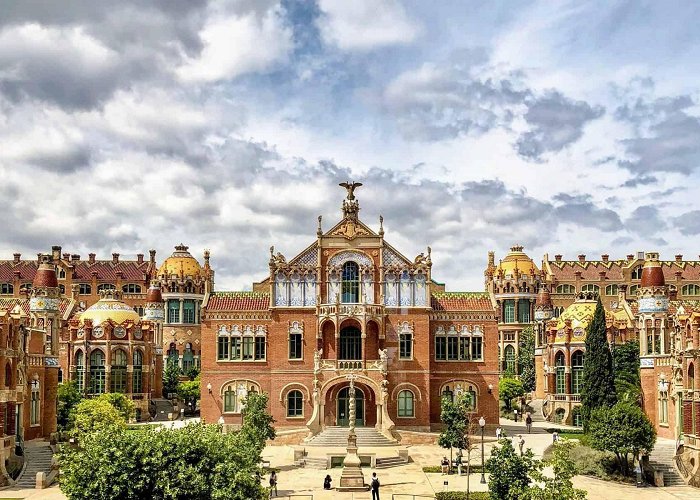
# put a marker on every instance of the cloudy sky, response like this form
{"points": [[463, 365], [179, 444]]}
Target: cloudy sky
{"points": [[568, 127]]}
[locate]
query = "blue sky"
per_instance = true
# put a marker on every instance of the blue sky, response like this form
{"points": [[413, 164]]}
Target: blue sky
{"points": [[568, 127]]}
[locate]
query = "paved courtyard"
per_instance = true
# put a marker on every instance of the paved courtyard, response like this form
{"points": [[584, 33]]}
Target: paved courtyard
{"points": [[410, 478]]}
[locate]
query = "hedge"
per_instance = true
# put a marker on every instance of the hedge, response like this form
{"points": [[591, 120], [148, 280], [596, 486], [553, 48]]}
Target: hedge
{"points": [[462, 495], [438, 468]]}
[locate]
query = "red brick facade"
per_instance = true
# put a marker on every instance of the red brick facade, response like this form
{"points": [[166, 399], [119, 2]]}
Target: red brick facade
{"points": [[356, 307]]}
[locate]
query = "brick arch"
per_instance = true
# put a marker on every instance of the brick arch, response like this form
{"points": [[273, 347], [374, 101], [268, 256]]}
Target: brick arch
{"points": [[407, 386], [292, 386]]}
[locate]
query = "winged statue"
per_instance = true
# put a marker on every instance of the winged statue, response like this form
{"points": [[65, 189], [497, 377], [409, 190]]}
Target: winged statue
{"points": [[350, 186]]}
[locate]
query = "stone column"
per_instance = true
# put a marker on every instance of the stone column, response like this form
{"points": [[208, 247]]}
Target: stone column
{"points": [[182, 310]]}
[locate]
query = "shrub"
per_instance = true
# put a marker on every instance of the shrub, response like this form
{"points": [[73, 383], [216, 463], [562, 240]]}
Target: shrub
{"points": [[590, 462], [92, 415], [461, 495], [68, 397], [509, 388], [121, 403]]}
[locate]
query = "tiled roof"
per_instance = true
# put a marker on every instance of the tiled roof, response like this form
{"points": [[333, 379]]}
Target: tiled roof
{"points": [[565, 270], [461, 301], [238, 301], [8, 304], [106, 270]]}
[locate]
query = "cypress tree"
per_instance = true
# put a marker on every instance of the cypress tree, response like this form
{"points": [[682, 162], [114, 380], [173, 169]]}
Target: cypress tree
{"points": [[598, 378]]}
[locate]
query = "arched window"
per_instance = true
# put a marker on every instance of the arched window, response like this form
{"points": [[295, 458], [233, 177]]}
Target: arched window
{"points": [[560, 378], [577, 372], [80, 370], [173, 354], [565, 288], [510, 359], [137, 377], [61, 274], [118, 374], [8, 374], [295, 404], [97, 372], [611, 290], [350, 293], [7, 289], [406, 404], [637, 273], [84, 289], [60, 375], [234, 394], [589, 288], [105, 286], [62, 289], [690, 290], [187, 358], [691, 377], [35, 405], [557, 311], [632, 290]]}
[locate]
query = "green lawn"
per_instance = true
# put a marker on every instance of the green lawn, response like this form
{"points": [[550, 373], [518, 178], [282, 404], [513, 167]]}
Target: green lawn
{"points": [[583, 438]]}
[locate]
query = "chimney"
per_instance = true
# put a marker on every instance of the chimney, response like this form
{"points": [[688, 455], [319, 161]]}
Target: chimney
{"points": [[115, 258], [66, 256], [582, 258], [492, 259], [673, 293], [630, 257], [557, 258], [152, 254], [75, 257], [679, 258], [74, 291], [16, 257], [602, 274], [139, 258], [91, 258], [55, 252], [605, 257]]}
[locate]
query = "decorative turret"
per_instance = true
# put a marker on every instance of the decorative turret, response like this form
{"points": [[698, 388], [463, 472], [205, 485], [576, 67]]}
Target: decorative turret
{"points": [[544, 310], [652, 293], [44, 295]]}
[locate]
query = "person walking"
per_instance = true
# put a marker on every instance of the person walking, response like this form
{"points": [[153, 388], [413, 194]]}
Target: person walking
{"points": [[555, 437], [273, 483], [528, 423], [445, 466], [521, 444], [499, 431], [375, 486]]}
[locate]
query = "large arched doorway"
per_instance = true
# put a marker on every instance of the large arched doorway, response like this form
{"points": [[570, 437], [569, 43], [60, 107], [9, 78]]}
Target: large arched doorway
{"points": [[344, 407], [350, 343]]}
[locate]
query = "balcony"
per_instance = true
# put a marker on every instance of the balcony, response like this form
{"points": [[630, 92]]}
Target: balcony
{"points": [[351, 365], [567, 398], [351, 310]]}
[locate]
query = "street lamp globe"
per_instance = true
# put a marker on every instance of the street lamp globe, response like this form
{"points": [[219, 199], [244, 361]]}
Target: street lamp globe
{"points": [[482, 422]]}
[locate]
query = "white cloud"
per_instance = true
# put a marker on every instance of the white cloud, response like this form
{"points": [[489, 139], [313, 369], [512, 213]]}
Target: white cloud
{"points": [[236, 43], [366, 24]]}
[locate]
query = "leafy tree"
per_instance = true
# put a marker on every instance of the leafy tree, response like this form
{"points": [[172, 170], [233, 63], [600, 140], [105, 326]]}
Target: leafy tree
{"points": [[189, 391], [453, 430], [257, 422], [171, 377], [69, 395], [626, 364], [121, 403], [623, 429], [559, 486], [509, 388], [193, 373], [526, 359], [196, 461], [598, 381], [92, 415], [509, 477]]}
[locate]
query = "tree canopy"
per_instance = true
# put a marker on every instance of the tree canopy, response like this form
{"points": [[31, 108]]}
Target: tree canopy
{"points": [[69, 395], [526, 359], [598, 388], [171, 377], [509, 388], [623, 429]]}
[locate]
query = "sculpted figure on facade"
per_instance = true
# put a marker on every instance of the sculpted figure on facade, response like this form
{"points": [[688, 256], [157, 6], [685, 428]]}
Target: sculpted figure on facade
{"points": [[317, 360], [384, 360]]}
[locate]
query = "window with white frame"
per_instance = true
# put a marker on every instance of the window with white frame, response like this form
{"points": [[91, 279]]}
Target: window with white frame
{"points": [[295, 404], [663, 402], [235, 393], [464, 344], [406, 406], [611, 290], [296, 341], [565, 288], [405, 341], [245, 343], [637, 273], [35, 404], [131, 288], [590, 288]]}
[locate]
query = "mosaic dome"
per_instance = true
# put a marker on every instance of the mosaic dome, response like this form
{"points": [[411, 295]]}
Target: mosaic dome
{"points": [[180, 263], [517, 259], [110, 307]]}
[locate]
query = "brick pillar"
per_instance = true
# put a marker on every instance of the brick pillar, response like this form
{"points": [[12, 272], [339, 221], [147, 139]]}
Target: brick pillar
{"points": [[3, 410], [10, 415], [687, 417], [49, 401]]}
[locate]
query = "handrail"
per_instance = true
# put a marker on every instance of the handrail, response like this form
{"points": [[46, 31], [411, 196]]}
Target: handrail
{"points": [[679, 462]]}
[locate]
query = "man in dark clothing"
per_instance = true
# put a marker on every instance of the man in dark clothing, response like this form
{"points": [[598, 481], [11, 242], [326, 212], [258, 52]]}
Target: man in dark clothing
{"points": [[374, 485]]}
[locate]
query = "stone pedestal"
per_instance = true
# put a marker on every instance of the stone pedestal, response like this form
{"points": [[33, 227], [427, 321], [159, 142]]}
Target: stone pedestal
{"points": [[352, 479]]}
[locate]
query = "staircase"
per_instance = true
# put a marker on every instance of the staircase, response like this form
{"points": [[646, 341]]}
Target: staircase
{"points": [[536, 405], [367, 437], [383, 463], [162, 407], [315, 463], [37, 456], [662, 459]]}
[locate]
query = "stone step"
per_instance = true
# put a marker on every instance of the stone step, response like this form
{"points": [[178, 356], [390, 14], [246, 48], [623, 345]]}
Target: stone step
{"points": [[315, 463], [338, 437], [383, 463]]}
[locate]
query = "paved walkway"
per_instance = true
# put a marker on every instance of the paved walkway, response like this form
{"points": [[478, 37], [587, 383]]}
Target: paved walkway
{"points": [[411, 479]]}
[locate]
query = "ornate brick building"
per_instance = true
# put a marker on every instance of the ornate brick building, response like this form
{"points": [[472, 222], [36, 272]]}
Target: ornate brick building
{"points": [[349, 305]]}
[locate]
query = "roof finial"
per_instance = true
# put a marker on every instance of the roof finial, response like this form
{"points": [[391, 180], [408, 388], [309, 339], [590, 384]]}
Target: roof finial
{"points": [[350, 187]]}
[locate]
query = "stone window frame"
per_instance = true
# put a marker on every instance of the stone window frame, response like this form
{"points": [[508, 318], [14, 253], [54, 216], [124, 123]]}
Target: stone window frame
{"points": [[398, 404], [35, 405], [295, 328], [243, 332], [301, 405], [463, 333], [250, 386], [406, 330]]}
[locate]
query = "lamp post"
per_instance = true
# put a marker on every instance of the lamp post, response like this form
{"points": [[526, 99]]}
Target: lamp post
{"points": [[482, 424]]}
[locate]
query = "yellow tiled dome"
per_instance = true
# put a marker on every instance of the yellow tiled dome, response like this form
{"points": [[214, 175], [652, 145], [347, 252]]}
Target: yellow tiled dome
{"points": [[180, 263], [516, 259], [110, 307]]}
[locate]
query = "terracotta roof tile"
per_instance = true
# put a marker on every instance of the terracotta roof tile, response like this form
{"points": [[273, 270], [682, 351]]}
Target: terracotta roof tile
{"points": [[565, 270], [461, 301], [238, 301], [27, 270], [8, 304]]}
